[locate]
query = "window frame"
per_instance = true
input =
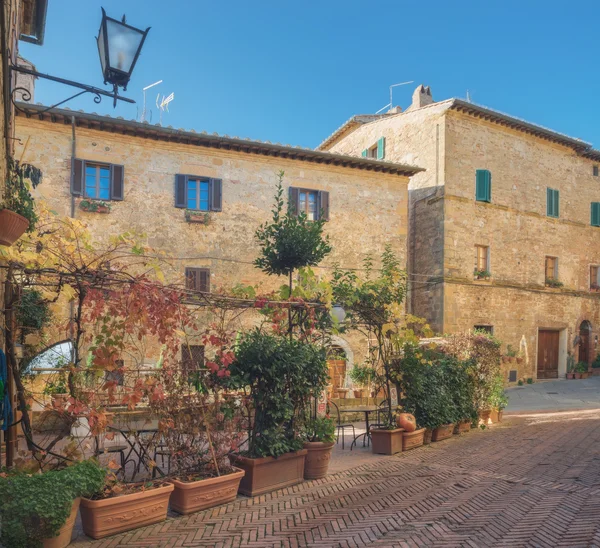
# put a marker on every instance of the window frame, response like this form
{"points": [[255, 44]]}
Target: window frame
{"points": [[307, 192], [198, 181], [486, 249], [555, 274], [198, 272], [594, 286], [97, 166], [595, 171]]}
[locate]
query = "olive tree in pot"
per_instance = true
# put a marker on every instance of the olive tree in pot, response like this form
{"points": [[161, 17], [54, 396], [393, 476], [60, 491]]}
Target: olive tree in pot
{"points": [[373, 305], [18, 215]]}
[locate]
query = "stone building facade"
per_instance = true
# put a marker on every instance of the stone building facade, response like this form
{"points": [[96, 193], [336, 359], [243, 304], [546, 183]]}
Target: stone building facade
{"points": [[504, 230], [366, 200]]}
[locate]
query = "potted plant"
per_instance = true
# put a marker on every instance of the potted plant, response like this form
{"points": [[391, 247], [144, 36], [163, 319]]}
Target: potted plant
{"points": [[95, 206], [17, 213], [280, 374], [596, 366], [195, 216], [581, 370], [319, 436], [481, 274], [58, 390], [553, 282], [570, 365], [498, 399], [362, 377], [412, 436], [39, 509]]}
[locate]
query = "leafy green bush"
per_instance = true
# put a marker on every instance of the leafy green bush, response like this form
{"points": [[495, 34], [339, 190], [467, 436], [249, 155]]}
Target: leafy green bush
{"points": [[498, 398], [35, 507], [32, 311], [581, 367], [281, 374], [596, 362], [319, 429], [362, 375]]}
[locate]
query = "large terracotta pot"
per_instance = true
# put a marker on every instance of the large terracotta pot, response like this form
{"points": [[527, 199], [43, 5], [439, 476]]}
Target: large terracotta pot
{"points": [[63, 539], [462, 427], [411, 440], [317, 459], [407, 422], [268, 473], [101, 518], [12, 226], [386, 442], [500, 413], [442, 432], [193, 496]]}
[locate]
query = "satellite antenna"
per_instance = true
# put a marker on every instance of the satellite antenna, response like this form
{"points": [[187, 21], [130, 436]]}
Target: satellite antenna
{"points": [[391, 103], [468, 97], [143, 118], [164, 104]]}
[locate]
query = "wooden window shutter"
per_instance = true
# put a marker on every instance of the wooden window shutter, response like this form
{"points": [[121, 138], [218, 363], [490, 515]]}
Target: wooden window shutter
{"points": [[381, 149], [483, 185], [192, 357], [180, 190], [294, 200], [323, 197], [549, 199], [191, 279], [204, 279], [556, 203], [365, 153], [197, 279], [78, 169], [216, 194], [117, 174], [595, 213]]}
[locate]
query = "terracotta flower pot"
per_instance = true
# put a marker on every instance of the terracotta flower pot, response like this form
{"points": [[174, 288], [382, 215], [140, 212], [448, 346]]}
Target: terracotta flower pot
{"points": [[584, 375], [427, 436], [193, 496], [442, 432], [411, 440], [462, 427], [500, 413], [407, 422], [268, 473], [570, 375], [317, 459], [577, 375], [101, 518], [357, 393], [494, 416], [386, 442], [63, 539], [12, 226], [484, 417]]}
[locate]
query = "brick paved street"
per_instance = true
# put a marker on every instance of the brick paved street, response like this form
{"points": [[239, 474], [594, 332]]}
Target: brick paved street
{"points": [[531, 481]]}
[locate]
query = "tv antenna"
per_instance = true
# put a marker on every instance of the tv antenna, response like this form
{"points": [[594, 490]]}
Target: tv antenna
{"points": [[143, 117], [468, 97], [164, 104], [391, 103]]}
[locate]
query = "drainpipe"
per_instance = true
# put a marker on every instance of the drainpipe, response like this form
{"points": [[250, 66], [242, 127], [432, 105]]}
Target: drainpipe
{"points": [[73, 156]]}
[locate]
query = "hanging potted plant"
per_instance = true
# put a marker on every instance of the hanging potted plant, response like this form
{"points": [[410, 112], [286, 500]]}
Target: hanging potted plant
{"points": [[39, 509], [18, 215], [319, 436]]}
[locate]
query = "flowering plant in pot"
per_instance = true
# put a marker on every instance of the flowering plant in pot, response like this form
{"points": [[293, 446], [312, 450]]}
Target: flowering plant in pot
{"points": [[17, 213], [319, 436], [38, 508]]}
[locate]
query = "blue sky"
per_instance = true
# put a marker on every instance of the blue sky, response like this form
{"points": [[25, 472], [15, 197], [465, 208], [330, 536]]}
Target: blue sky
{"points": [[292, 72]]}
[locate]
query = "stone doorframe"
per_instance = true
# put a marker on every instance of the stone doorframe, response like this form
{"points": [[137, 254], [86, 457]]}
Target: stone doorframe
{"points": [[343, 344]]}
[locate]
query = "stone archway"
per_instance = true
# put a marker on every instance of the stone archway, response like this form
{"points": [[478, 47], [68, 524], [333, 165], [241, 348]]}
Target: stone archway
{"points": [[340, 360], [585, 342]]}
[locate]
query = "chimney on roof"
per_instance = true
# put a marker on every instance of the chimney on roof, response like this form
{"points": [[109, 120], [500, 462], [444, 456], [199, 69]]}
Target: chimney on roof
{"points": [[25, 81], [421, 97], [395, 110]]}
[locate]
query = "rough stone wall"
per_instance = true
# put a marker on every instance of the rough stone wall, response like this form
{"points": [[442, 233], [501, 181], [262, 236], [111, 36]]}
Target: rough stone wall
{"points": [[519, 234], [415, 137], [367, 209]]}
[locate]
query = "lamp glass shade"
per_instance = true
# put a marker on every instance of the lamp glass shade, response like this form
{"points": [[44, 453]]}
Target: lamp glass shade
{"points": [[338, 313]]}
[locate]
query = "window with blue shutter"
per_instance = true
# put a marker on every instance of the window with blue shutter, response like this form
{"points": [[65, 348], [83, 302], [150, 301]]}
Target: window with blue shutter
{"points": [[198, 193], [552, 202], [365, 153], [483, 185], [595, 213], [381, 149], [97, 181]]}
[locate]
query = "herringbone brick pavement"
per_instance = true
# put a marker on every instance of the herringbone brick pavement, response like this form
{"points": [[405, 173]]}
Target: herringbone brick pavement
{"points": [[532, 481]]}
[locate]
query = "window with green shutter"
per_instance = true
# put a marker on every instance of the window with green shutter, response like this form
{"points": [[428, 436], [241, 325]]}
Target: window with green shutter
{"points": [[595, 213], [483, 185], [381, 149], [552, 202]]}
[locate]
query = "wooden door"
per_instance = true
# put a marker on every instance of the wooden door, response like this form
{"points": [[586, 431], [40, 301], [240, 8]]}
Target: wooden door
{"points": [[547, 365]]}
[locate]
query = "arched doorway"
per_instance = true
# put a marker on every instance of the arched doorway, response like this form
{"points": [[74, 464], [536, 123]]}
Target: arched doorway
{"points": [[585, 336]]}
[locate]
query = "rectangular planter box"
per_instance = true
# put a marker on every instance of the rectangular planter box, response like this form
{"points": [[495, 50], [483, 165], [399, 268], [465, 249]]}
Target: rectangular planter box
{"points": [[462, 427], [193, 496], [101, 518], [442, 432], [268, 473], [387, 442], [427, 436], [411, 440]]}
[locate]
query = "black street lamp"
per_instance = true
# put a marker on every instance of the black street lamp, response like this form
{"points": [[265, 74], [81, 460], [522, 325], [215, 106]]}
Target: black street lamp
{"points": [[119, 46]]}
